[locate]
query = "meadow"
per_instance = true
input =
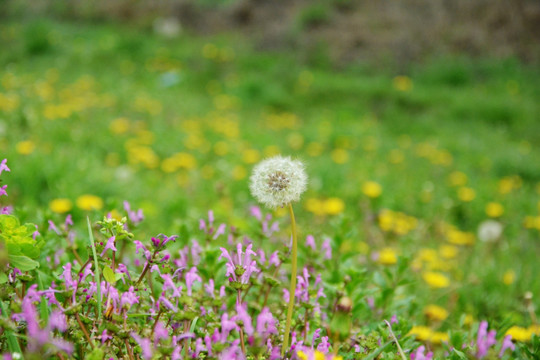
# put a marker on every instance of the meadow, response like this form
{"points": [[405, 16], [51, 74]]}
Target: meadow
{"points": [[422, 206]]}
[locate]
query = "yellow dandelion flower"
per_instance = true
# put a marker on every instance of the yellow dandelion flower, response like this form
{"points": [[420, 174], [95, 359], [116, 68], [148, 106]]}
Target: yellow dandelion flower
{"points": [[509, 277], [436, 279], [439, 337], [333, 206], [89, 202], [302, 355], [534, 329], [61, 206], [435, 312], [119, 126], [295, 141], [387, 256], [115, 214], [519, 333], [458, 178], [422, 333], [251, 156], [239, 172], [468, 320], [25, 147], [457, 237], [339, 156], [315, 206], [372, 189], [494, 209], [466, 194], [448, 251], [402, 83]]}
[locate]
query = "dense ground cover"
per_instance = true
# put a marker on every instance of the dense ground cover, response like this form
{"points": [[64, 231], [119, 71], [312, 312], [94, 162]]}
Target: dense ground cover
{"points": [[405, 170]]}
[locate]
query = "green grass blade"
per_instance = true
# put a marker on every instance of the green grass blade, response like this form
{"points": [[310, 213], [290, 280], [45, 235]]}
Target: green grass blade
{"points": [[43, 307], [377, 352], [13, 344], [96, 265]]}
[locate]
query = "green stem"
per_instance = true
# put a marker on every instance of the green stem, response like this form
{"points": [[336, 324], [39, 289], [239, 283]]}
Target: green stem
{"points": [[96, 270], [292, 288]]}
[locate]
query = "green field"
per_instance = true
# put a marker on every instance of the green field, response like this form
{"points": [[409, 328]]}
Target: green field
{"points": [[404, 169]]}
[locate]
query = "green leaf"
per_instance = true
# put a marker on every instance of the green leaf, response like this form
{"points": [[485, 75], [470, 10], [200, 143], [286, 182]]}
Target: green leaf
{"points": [[3, 278], [96, 354], [96, 274], [108, 274], [23, 263], [13, 344]]}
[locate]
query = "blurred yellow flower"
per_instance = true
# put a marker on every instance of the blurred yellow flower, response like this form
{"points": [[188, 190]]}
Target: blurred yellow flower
{"points": [[436, 279], [509, 277], [314, 206], [239, 172], [423, 333], [458, 237], [494, 209], [119, 126], [402, 83], [435, 312], [9, 102], [295, 140], [396, 156], [314, 149], [387, 256], [372, 189], [519, 333], [468, 320], [333, 206], [251, 156], [271, 150], [25, 147], [509, 183], [466, 194], [339, 156], [221, 148], [61, 206], [448, 251], [439, 337], [458, 178], [89, 202]]}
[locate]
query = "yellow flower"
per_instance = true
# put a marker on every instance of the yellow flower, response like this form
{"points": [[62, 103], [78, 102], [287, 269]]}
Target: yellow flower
{"points": [[387, 256], [448, 251], [435, 312], [315, 206], [436, 279], [423, 333], [119, 126], [468, 320], [314, 149], [439, 337], [457, 237], [251, 156], [60, 206], [239, 172], [333, 206], [339, 156], [402, 83], [458, 178], [89, 202], [466, 194], [25, 147], [494, 209], [509, 277], [372, 189], [519, 334], [509, 183]]}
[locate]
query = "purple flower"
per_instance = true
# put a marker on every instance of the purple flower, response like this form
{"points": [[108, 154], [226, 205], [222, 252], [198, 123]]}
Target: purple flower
{"points": [[266, 323], [104, 337], [3, 190], [507, 344], [53, 227], [419, 354], [243, 318], [310, 242], [209, 288], [3, 166], [161, 240], [191, 277], [129, 298], [327, 248], [324, 345], [146, 345], [240, 267], [57, 321], [134, 217], [6, 210], [109, 245], [484, 340], [227, 325], [209, 229], [160, 333]]}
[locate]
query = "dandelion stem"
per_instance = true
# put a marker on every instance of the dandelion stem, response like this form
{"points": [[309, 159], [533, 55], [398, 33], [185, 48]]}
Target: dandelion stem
{"points": [[292, 288], [396, 341]]}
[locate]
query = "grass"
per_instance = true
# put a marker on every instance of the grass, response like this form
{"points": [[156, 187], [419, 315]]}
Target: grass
{"points": [[102, 109]]}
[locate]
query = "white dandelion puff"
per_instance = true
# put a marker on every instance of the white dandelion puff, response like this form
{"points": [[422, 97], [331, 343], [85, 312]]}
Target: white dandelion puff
{"points": [[278, 181]]}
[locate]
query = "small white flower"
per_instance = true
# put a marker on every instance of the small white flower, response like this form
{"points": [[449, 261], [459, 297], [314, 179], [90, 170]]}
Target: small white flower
{"points": [[278, 181]]}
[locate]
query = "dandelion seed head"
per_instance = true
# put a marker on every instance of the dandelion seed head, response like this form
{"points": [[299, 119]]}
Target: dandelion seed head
{"points": [[278, 181]]}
